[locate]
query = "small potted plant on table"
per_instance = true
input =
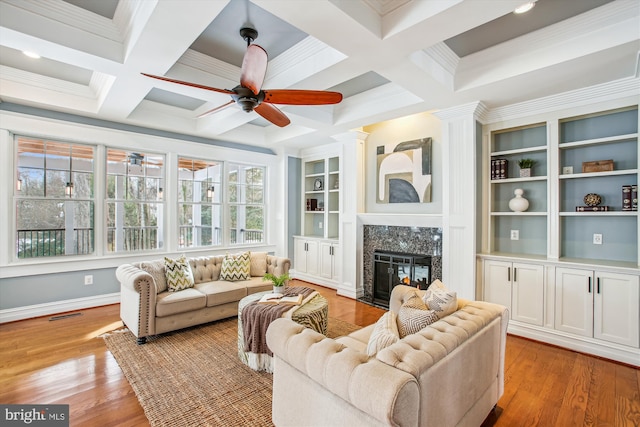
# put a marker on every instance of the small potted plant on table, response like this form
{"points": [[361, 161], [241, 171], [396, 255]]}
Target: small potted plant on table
{"points": [[279, 282], [525, 167]]}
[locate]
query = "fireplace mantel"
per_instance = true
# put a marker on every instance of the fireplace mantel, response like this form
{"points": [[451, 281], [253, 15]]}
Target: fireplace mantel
{"points": [[399, 219]]}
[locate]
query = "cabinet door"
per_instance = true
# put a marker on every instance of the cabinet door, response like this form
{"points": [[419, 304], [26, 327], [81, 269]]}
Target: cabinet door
{"points": [[574, 301], [337, 263], [616, 313], [312, 257], [326, 260], [300, 253], [497, 282], [527, 297]]}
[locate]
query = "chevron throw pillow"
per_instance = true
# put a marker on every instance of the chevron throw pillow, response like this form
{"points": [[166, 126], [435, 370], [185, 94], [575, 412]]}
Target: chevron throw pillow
{"points": [[440, 299], [178, 274], [414, 315], [236, 267]]}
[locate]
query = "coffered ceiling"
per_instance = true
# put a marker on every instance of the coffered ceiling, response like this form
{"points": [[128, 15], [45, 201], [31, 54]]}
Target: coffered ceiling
{"points": [[389, 58]]}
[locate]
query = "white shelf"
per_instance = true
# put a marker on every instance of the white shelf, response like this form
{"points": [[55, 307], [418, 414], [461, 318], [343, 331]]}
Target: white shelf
{"points": [[518, 179], [538, 149], [599, 174], [609, 139], [605, 213], [519, 214]]}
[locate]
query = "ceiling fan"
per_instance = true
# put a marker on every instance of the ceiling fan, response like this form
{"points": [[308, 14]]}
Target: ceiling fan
{"points": [[249, 94]]}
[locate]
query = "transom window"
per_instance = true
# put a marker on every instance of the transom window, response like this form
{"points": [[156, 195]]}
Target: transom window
{"points": [[54, 198], [135, 207]]}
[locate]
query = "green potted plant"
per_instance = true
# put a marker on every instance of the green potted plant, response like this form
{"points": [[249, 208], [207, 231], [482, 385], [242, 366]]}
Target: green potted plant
{"points": [[279, 282], [525, 167]]}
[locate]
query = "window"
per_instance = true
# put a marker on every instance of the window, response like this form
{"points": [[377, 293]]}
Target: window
{"points": [[54, 198], [199, 207], [246, 203], [134, 201]]}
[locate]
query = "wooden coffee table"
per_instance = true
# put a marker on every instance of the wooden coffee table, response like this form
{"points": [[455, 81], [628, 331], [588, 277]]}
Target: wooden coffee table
{"points": [[314, 314]]}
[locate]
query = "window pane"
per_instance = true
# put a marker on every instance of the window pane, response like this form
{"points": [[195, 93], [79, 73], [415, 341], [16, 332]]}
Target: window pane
{"points": [[82, 185], [32, 182], [51, 228], [56, 182], [58, 155], [133, 226], [234, 192], [185, 191]]}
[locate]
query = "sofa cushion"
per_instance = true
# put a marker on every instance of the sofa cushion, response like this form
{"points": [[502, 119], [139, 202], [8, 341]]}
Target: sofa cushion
{"points": [[169, 303], [178, 274], [156, 270], [221, 292], [385, 333], [258, 265], [206, 269], [414, 315], [236, 267], [441, 300]]}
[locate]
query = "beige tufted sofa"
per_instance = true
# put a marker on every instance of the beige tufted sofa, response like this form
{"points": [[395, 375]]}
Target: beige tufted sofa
{"points": [[451, 373], [148, 308]]}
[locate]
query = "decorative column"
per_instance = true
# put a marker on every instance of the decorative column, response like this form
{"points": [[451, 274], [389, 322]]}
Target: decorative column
{"points": [[460, 138], [351, 203]]}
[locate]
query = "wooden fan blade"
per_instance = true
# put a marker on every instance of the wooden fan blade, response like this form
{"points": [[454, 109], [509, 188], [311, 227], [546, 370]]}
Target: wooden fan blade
{"points": [[272, 114], [301, 97], [221, 107], [180, 82], [254, 68]]}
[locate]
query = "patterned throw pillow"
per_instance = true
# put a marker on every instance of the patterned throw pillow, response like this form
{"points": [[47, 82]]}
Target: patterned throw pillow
{"points": [[178, 274], [414, 315], [441, 300], [236, 267], [384, 333], [258, 264]]}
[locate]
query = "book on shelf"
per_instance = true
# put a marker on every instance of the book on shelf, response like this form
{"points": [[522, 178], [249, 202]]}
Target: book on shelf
{"points": [[280, 299], [626, 197], [593, 208], [499, 168], [312, 204], [634, 197]]}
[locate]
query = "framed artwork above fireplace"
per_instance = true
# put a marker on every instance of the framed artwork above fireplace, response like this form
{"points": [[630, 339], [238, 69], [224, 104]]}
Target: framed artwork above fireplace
{"points": [[404, 175]]}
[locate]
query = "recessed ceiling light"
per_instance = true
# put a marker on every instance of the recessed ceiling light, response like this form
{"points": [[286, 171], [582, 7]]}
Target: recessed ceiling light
{"points": [[31, 54], [525, 7]]}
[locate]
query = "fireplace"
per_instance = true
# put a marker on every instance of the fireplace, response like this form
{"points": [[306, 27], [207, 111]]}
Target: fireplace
{"points": [[395, 268]]}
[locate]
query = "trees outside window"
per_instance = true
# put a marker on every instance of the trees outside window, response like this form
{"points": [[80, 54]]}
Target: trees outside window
{"points": [[135, 206], [54, 198], [199, 203], [246, 187]]}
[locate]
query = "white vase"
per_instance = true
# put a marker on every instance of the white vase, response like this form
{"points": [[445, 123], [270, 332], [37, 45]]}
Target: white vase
{"points": [[518, 203], [278, 289]]}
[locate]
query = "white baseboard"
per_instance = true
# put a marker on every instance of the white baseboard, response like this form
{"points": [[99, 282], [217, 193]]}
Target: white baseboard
{"points": [[46, 309]]}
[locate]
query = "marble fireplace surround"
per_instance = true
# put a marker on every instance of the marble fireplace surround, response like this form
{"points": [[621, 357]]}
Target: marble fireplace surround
{"points": [[394, 238]]}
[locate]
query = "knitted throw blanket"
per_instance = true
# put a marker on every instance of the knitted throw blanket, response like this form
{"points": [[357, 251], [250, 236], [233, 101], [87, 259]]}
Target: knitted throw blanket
{"points": [[256, 318]]}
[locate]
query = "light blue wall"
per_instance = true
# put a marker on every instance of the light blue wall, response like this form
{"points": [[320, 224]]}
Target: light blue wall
{"points": [[294, 179], [32, 290]]}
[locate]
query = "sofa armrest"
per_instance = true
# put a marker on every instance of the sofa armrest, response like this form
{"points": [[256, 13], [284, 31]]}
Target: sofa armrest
{"points": [[278, 265], [137, 299], [345, 374]]}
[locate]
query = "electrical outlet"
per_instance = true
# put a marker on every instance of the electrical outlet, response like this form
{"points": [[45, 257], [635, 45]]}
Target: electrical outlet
{"points": [[597, 239], [515, 234], [88, 279], [320, 225]]}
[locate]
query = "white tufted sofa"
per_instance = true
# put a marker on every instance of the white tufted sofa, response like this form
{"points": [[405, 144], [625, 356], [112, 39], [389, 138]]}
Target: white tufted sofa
{"points": [[147, 308], [451, 373]]}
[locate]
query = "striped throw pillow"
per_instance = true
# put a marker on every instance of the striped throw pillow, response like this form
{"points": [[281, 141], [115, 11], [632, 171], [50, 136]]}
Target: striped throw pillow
{"points": [[236, 267], [384, 333], [178, 274]]}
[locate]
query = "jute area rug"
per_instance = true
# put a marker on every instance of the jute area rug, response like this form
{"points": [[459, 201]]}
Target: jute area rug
{"points": [[193, 377]]}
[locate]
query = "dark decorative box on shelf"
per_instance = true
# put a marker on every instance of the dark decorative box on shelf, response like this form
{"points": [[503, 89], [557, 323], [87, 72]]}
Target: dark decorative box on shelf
{"points": [[593, 208], [312, 204], [597, 166]]}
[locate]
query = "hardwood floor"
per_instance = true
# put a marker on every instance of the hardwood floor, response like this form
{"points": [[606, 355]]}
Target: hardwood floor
{"points": [[45, 361]]}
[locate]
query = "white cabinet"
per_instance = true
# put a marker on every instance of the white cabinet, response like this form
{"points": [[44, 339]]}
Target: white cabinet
{"points": [[306, 252], [598, 304], [329, 260], [317, 260], [518, 286]]}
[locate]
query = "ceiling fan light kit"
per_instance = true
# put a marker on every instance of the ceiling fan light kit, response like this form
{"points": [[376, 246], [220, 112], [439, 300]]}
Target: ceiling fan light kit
{"points": [[249, 94]]}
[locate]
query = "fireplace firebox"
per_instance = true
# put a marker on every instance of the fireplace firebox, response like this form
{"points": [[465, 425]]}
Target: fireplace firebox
{"points": [[397, 268]]}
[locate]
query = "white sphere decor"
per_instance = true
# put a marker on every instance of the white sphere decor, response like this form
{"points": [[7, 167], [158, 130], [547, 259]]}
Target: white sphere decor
{"points": [[518, 203]]}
